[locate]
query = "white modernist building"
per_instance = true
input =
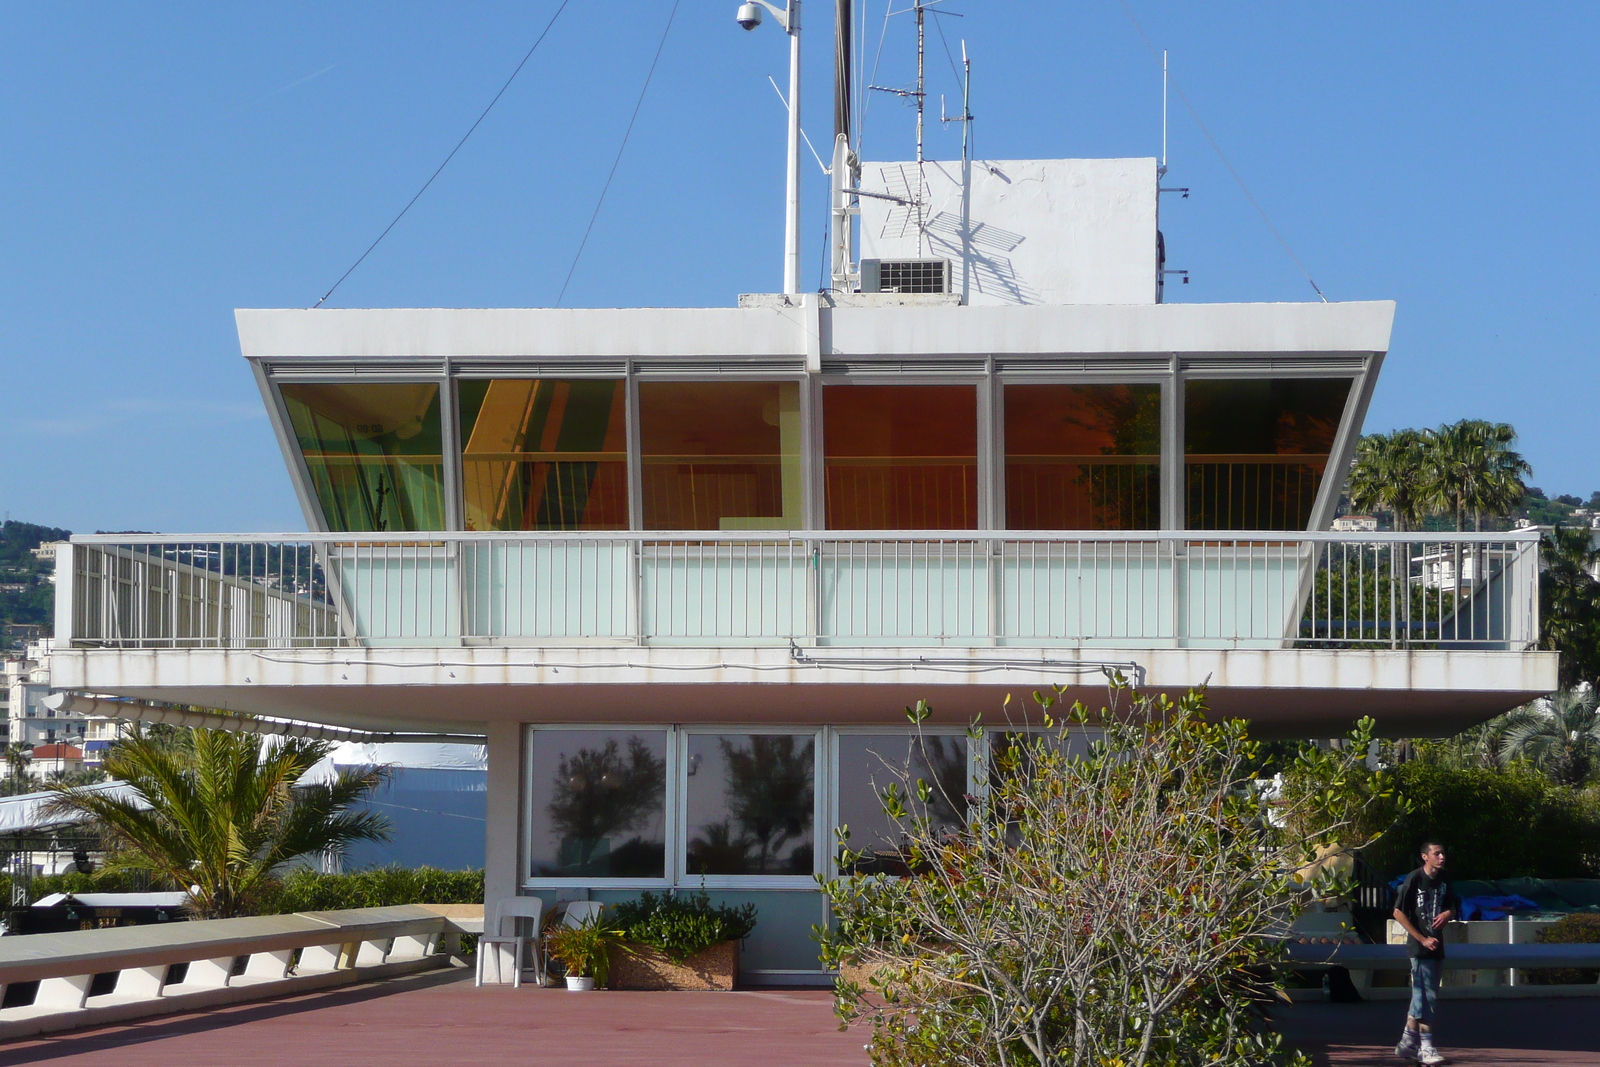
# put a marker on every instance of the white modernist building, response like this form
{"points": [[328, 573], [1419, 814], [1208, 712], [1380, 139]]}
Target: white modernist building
{"points": [[683, 569]]}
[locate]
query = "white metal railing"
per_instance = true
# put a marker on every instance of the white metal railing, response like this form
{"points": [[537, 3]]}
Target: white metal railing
{"points": [[1127, 590], [89, 977]]}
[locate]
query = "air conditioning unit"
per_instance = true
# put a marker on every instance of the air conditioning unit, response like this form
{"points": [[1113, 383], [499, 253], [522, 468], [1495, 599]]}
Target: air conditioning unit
{"points": [[905, 275]]}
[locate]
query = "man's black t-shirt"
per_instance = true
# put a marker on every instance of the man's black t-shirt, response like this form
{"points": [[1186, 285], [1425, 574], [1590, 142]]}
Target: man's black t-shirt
{"points": [[1422, 899]]}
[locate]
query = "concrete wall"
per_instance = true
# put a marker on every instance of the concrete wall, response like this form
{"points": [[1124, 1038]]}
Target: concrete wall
{"points": [[1032, 231]]}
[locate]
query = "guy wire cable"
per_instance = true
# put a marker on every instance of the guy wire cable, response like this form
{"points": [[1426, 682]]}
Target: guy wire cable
{"points": [[620, 149], [1217, 148], [448, 158]]}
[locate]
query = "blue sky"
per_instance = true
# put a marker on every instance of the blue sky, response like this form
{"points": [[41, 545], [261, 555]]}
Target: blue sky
{"points": [[164, 164]]}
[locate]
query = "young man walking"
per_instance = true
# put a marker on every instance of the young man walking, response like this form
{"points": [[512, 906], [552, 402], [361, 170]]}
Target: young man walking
{"points": [[1424, 904]]}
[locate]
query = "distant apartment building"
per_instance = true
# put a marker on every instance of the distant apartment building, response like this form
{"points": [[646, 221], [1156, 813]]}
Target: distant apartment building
{"points": [[1355, 524]]}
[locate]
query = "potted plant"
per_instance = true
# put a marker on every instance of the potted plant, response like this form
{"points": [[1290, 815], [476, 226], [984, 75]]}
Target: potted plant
{"points": [[679, 942], [584, 950]]}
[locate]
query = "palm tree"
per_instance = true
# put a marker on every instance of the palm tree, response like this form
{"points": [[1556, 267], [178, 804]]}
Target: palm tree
{"points": [[223, 811], [1569, 603], [1559, 734], [1470, 465], [1388, 474]]}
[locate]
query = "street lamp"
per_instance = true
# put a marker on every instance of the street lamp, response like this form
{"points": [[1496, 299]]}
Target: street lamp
{"points": [[749, 17]]}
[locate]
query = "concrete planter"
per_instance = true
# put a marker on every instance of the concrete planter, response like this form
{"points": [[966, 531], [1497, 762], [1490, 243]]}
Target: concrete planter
{"points": [[647, 968]]}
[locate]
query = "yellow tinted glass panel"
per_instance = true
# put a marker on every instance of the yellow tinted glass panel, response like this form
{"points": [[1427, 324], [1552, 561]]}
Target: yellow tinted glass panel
{"points": [[544, 454]]}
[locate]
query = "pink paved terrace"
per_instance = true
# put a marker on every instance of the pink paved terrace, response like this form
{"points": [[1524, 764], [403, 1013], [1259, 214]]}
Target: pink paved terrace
{"points": [[433, 1019]]}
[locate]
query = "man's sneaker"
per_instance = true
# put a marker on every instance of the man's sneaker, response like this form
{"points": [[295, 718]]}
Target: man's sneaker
{"points": [[1429, 1055], [1408, 1046]]}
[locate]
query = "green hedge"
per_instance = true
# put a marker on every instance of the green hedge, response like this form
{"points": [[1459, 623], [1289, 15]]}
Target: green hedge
{"points": [[1577, 929], [1496, 824], [307, 890], [302, 889]]}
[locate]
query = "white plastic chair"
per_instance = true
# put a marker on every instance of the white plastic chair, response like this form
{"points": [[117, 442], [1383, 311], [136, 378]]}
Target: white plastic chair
{"points": [[578, 912], [495, 936]]}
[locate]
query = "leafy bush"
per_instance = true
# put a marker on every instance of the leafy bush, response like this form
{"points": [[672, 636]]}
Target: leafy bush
{"points": [[682, 925], [307, 890], [1497, 824], [1114, 905], [1579, 929]]}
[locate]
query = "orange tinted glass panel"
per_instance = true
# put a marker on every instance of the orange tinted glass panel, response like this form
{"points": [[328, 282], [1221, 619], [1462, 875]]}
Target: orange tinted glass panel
{"points": [[544, 454], [1083, 457], [901, 457], [1256, 451], [720, 455]]}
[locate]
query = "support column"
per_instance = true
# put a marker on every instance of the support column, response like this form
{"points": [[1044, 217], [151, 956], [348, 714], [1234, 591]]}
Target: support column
{"points": [[502, 851]]}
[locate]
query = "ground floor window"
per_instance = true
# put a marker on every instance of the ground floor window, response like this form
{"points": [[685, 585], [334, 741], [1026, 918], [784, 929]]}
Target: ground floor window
{"points": [[751, 804], [597, 804], [654, 807]]}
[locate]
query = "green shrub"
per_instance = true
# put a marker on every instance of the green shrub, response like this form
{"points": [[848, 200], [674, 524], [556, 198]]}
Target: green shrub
{"points": [[1580, 929], [682, 925], [1496, 824], [99, 882], [307, 890]]}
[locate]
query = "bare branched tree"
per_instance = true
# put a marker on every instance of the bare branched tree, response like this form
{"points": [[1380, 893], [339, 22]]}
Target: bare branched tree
{"points": [[1118, 902]]}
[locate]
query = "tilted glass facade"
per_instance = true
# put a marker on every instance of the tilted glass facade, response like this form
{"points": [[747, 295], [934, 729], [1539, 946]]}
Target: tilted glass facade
{"points": [[373, 453], [1255, 451], [725, 454]]}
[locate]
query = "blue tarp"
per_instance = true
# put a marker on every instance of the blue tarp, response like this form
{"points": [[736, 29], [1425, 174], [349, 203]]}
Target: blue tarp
{"points": [[1488, 909]]}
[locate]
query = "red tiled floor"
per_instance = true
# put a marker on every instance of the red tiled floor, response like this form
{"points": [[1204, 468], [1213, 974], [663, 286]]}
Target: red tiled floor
{"points": [[440, 1018]]}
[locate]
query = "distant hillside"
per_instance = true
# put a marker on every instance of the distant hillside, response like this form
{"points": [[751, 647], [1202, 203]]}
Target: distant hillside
{"points": [[27, 599]]}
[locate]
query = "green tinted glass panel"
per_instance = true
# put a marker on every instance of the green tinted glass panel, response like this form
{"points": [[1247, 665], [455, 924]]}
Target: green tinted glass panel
{"points": [[1083, 457], [1256, 451], [720, 455], [373, 453], [544, 454]]}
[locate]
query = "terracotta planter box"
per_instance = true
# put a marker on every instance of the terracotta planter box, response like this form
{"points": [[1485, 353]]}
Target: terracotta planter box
{"points": [[649, 968]]}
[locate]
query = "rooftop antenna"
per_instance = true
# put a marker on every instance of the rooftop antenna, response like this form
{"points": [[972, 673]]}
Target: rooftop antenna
{"points": [[845, 173], [1163, 171], [966, 166]]}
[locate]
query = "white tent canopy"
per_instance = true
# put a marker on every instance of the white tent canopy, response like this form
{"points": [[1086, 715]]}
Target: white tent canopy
{"points": [[352, 755], [31, 811]]}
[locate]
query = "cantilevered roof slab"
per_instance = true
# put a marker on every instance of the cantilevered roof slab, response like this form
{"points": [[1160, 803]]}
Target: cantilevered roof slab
{"points": [[1285, 692]]}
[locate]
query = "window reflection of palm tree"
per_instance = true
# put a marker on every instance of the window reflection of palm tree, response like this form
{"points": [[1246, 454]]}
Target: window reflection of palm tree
{"points": [[600, 793], [769, 794]]}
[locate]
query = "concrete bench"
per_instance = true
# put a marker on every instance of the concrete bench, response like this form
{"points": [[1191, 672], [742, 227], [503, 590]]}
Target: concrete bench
{"points": [[186, 965]]}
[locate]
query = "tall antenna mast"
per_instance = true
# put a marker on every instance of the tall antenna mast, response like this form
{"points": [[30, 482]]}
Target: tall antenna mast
{"points": [[844, 172], [921, 88], [1163, 113]]}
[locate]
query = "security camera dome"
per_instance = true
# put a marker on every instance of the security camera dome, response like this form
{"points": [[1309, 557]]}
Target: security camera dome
{"points": [[749, 16]]}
